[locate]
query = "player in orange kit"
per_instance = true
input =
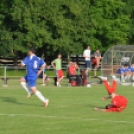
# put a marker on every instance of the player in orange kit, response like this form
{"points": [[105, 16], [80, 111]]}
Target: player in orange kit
{"points": [[118, 102]]}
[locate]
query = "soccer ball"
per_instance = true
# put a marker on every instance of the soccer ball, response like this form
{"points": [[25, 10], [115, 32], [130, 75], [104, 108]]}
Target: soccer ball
{"points": [[88, 85]]}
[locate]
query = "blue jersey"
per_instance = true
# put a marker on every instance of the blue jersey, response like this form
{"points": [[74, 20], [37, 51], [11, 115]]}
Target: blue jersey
{"points": [[131, 68], [123, 70], [33, 64]]}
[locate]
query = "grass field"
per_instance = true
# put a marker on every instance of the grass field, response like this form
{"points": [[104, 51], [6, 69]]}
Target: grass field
{"points": [[70, 111]]}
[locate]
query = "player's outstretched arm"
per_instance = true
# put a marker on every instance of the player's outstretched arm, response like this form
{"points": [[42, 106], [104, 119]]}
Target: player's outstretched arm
{"points": [[52, 64], [21, 64], [41, 69], [99, 109], [106, 97]]}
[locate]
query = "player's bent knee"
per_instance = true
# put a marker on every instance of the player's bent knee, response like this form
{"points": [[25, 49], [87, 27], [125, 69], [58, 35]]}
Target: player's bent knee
{"points": [[22, 80], [33, 89]]}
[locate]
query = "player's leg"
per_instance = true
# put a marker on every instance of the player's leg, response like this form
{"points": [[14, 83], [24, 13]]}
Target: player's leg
{"points": [[25, 86], [60, 76], [46, 79], [40, 96], [108, 87], [87, 68], [127, 75], [95, 70], [32, 85], [133, 76], [106, 84], [114, 84], [122, 77], [57, 75]]}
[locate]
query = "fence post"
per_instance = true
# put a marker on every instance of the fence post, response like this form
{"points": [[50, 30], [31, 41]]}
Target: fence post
{"points": [[43, 78]]}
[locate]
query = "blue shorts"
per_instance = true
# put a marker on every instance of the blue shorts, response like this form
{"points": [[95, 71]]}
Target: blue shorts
{"points": [[87, 63], [31, 81]]}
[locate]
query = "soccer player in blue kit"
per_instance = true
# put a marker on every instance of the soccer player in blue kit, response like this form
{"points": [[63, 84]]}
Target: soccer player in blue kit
{"points": [[28, 82], [124, 71]]}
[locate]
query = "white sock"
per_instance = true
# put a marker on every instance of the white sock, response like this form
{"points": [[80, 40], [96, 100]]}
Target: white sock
{"points": [[26, 87], [57, 83], [40, 96], [127, 77], [122, 77]]}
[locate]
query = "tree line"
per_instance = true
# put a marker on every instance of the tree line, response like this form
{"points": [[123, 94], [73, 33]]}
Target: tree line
{"points": [[65, 26]]}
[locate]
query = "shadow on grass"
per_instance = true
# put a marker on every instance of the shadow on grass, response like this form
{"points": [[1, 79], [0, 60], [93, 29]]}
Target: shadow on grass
{"points": [[14, 101], [10, 100]]}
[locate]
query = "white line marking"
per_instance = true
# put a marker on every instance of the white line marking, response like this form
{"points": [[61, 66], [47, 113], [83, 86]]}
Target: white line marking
{"points": [[68, 118]]}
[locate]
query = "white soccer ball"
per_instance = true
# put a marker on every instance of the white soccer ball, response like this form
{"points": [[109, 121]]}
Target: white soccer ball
{"points": [[88, 85]]}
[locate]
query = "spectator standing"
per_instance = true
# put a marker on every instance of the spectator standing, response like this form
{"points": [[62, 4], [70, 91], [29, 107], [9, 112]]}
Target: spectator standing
{"points": [[87, 56], [97, 56], [57, 64]]}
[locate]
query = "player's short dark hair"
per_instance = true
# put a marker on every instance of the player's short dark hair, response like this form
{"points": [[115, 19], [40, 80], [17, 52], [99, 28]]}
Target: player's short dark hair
{"points": [[32, 49]]}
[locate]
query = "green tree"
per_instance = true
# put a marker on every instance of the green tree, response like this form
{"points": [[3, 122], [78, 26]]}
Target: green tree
{"points": [[54, 26]]}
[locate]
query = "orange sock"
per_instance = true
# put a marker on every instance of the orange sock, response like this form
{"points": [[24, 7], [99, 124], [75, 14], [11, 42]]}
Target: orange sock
{"points": [[108, 87], [114, 86]]}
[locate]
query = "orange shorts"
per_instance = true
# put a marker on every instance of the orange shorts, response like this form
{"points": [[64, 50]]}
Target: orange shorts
{"points": [[115, 109], [59, 73]]}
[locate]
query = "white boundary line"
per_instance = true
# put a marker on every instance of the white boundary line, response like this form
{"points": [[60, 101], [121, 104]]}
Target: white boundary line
{"points": [[67, 118]]}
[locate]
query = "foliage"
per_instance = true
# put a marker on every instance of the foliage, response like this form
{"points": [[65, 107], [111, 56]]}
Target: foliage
{"points": [[68, 27]]}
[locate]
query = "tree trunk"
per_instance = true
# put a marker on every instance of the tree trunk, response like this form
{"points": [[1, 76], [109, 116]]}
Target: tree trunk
{"points": [[15, 60], [68, 57]]}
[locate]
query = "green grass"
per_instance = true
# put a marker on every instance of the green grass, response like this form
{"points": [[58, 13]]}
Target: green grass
{"points": [[70, 111]]}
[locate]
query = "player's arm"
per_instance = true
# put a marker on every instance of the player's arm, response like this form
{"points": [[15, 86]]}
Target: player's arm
{"points": [[41, 69], [99, 109], [106, 97], [23, 63], [53, 64]]}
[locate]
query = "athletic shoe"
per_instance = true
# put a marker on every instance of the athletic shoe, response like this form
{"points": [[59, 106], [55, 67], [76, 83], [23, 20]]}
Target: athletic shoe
{"points": [[29, 95], [57, 84], [123, 80], [102, 77], [46, 103], [114, 77], [43, 84]]}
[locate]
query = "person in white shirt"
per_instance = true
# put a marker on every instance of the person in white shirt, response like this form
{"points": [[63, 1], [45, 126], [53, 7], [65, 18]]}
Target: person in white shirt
{"points": [[87, 55]]}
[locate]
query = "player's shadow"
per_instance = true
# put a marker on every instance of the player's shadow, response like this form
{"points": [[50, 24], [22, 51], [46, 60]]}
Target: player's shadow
{"points": [[14, 101], [10, 100]]}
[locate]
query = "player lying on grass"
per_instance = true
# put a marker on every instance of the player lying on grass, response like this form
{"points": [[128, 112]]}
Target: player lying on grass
{"points": [[118, 102], [28, 82]]}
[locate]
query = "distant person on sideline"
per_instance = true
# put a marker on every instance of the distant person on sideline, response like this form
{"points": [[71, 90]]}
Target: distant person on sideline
{"points": [[57, 65], [28, 82], [46, 79], [97, 58], [87, 56]]}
